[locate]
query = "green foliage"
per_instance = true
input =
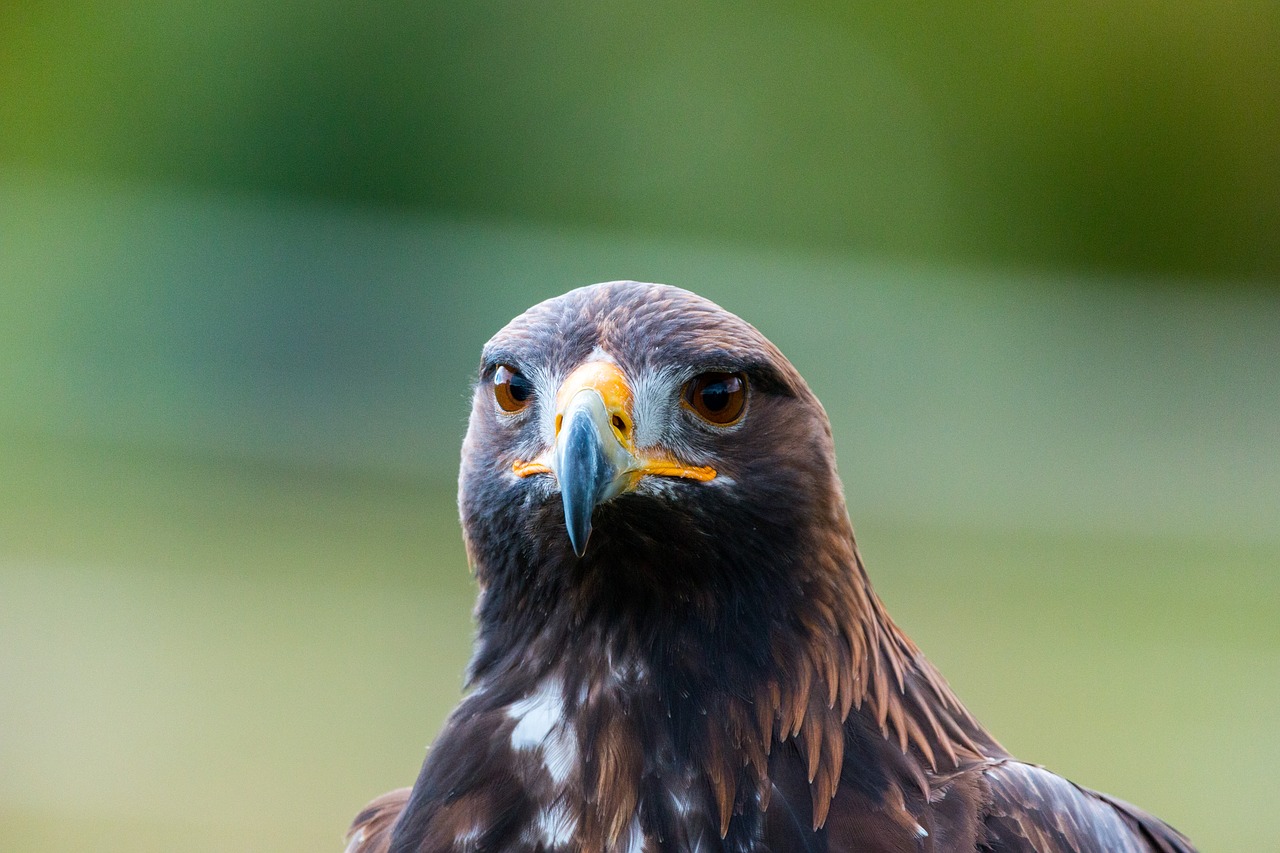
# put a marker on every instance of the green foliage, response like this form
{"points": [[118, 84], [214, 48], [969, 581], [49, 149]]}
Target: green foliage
{"points": [[1123, 136]]}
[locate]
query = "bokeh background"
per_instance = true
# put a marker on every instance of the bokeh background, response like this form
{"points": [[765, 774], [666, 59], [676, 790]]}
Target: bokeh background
{"points": [[1027, 254]]}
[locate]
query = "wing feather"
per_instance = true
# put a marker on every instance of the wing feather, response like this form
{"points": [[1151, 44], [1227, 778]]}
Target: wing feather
{"points": [[370, 832], [1035, 811]]}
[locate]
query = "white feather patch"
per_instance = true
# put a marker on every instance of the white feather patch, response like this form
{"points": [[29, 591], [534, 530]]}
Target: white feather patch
{"points": [[556, 825], [540, 724], [536, 716]]}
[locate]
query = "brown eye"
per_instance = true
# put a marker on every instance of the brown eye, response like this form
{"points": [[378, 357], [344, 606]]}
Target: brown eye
{"points": [[717, 397], [512, 391]]}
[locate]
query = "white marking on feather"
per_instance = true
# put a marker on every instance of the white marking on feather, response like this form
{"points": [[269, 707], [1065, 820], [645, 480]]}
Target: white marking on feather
{"points": [[559, 754], [598, 354], [556, 825], [625, 672], [681, 802], [536, 716], [540, 724], [635, 837], [656, 402], [921, 832], [545, 384], [467, 840]]}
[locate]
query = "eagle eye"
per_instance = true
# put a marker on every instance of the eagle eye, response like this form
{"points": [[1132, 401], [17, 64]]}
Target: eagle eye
{"points": [[717, 397], [511, 389]]}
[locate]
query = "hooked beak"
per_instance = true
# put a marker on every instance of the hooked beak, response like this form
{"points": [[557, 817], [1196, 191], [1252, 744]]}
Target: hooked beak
{"points": [[590, 463], [594, 457]]}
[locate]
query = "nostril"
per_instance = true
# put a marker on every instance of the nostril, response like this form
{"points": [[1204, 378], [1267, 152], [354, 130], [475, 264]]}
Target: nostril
{"points": [[619, 424]]}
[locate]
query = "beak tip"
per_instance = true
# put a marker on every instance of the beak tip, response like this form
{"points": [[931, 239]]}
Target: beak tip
{"points": [[584, 469], [578, 538]]}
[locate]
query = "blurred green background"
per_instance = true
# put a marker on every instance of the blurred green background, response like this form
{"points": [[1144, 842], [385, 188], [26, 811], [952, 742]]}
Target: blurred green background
{"points": [[1027, 255]]}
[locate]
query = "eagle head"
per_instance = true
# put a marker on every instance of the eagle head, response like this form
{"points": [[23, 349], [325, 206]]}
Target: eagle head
{"points": [[636, 442]]}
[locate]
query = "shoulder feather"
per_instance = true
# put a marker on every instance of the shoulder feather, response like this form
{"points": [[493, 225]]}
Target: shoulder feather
{"points": [[1035, 811], [370, 832]]}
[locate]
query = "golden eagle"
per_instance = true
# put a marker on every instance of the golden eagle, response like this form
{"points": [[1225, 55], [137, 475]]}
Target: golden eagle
{"points": [[678, 647]]}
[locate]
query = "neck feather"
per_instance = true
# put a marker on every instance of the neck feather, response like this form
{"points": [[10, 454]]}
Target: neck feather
{"points": [[728, 669]]}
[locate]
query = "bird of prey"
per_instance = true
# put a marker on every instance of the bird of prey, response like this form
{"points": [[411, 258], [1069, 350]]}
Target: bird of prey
{"points": [[678, 648]]}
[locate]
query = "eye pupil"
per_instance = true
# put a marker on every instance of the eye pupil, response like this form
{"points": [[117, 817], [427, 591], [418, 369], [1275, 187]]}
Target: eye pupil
{"points": [[717, 397], [521, 390], [511, 389]]}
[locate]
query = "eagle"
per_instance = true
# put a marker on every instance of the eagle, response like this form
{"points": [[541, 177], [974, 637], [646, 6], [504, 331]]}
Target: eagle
{"points": [[678, 647]]}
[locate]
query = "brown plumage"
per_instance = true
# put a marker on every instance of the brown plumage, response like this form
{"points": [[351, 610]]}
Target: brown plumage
{"points": [[678, 645]]}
